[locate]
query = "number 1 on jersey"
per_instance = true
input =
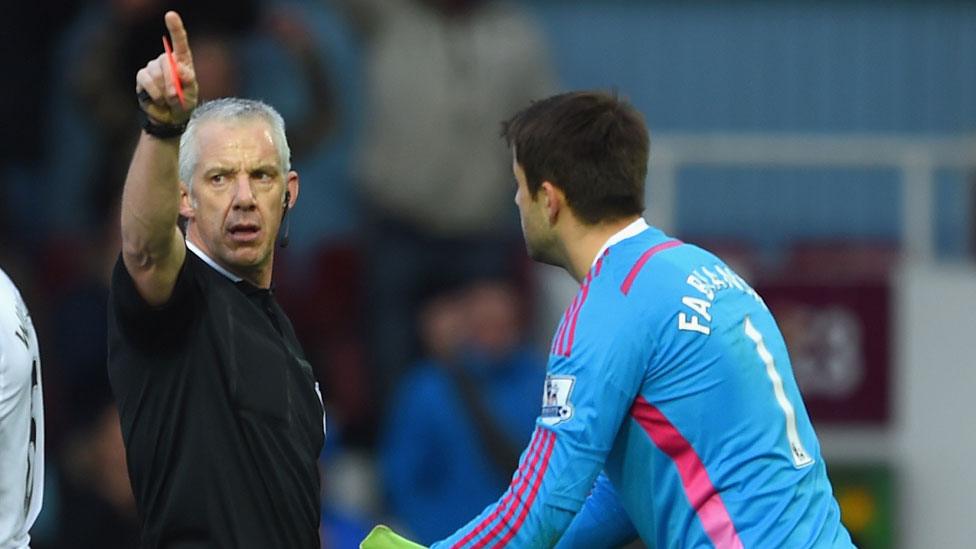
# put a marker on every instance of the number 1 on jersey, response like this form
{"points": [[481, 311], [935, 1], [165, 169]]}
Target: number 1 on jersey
{"points": [[800, 456]]}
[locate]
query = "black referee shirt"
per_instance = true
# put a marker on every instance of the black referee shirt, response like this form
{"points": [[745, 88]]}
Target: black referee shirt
{"points": [[220, 414]]}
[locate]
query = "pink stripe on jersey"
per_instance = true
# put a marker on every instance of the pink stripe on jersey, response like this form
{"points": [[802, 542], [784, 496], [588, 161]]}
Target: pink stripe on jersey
{"points": [[567, 319], [563, 342], [700, 491], [599, 263], [533, 472], [520, 478], [550, 443], [629, 281], [557, 341], [572, 328]]}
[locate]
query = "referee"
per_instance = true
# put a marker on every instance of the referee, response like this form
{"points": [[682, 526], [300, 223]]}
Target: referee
{"points": [[220, 412]]}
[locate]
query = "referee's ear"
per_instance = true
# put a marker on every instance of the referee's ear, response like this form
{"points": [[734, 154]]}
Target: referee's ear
{"points": [[291, 190], [187, 205]]}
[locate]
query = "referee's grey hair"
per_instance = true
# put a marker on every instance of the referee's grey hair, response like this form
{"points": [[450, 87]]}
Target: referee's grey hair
{"points": [[230, 109]]}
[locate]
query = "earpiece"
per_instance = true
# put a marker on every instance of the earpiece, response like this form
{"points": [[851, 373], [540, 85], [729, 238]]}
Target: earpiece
{"points": [[283, 231]]}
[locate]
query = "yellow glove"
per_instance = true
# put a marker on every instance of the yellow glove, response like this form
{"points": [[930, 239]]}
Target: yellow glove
{"points": [[383, 538]]}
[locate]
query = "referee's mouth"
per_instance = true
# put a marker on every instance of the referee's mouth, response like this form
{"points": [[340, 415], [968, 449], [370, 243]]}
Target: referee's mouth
{"points": [[244, 232]]}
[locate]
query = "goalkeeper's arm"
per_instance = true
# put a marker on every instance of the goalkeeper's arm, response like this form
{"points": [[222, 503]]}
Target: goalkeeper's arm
{"points": [[602, 522]]}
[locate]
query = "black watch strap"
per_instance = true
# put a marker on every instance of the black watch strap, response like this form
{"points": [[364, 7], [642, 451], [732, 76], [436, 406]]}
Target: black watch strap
{"points": [[162, 131]]}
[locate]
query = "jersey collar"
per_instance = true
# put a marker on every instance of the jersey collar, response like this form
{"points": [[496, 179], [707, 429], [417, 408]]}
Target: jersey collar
{"points": [[213, 264], [634, 229]]}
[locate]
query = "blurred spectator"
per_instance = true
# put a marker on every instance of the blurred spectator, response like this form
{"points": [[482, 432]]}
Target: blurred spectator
{"points": [[30, 31], [435, 179], [324, 293], [91, 503], [350, 501], [97, 509], [340, 531], [78, 347], [462, 415]]}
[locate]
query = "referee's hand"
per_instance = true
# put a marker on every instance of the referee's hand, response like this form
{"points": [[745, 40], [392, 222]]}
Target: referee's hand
{"points": [[155, 86]]}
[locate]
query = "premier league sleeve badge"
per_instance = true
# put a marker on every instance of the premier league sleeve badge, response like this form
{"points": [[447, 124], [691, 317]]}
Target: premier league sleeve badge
{"points": [[556, 404]]}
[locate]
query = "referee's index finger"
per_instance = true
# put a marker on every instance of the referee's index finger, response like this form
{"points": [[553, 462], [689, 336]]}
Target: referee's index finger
{"points": [[181, 45]]}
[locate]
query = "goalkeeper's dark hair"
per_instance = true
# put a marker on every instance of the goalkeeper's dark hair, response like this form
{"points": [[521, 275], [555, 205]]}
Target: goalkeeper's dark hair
{"points": [[591, 144]]}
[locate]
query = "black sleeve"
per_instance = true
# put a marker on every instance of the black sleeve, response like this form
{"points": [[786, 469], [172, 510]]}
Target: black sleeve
{"points": [[151, 326]]}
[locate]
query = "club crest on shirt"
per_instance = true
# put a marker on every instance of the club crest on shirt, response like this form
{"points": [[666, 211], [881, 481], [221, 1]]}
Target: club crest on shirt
{"points": [[556, 406]]}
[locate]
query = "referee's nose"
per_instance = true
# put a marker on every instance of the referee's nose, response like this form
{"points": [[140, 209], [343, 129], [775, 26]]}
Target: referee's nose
{"points": [[243, 194]]}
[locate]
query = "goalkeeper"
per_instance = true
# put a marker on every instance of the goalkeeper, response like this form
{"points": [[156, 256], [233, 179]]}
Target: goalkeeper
{"points": [[670, 410]]}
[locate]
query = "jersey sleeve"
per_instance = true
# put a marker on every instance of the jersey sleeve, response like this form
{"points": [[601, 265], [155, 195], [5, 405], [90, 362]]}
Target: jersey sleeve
{"points": [[146, 325], [11, 509], [593, 376], [602, 522], [21, 420]]}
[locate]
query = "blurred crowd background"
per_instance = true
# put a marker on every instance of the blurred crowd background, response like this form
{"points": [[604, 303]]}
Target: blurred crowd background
{"points": [[826, 150]]}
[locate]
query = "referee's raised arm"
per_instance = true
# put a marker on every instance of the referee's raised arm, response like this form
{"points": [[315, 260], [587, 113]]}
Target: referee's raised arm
{"points": [[152, 245]]}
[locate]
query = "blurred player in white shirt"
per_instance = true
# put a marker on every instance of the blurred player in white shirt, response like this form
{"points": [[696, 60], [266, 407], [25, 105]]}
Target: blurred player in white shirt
{"points": [[21, 420]]}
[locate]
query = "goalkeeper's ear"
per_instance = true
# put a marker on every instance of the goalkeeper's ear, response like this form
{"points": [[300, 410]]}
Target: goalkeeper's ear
{"points": [[383, 538]]}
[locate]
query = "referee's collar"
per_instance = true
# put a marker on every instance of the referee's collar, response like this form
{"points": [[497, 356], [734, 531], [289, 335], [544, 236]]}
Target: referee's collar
{"points": [[213, 264], [634, 229]]}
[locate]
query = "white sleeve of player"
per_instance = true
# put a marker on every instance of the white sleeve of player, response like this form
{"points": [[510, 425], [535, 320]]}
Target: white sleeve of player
{"points": [[21, 420]]}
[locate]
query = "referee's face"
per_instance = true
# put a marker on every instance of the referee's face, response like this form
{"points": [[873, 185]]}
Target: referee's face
{"points": [[238, 197]]}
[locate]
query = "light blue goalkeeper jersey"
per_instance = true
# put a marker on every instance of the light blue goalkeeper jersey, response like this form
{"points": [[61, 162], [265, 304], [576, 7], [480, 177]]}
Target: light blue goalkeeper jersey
{"points": [[668, 374]]}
